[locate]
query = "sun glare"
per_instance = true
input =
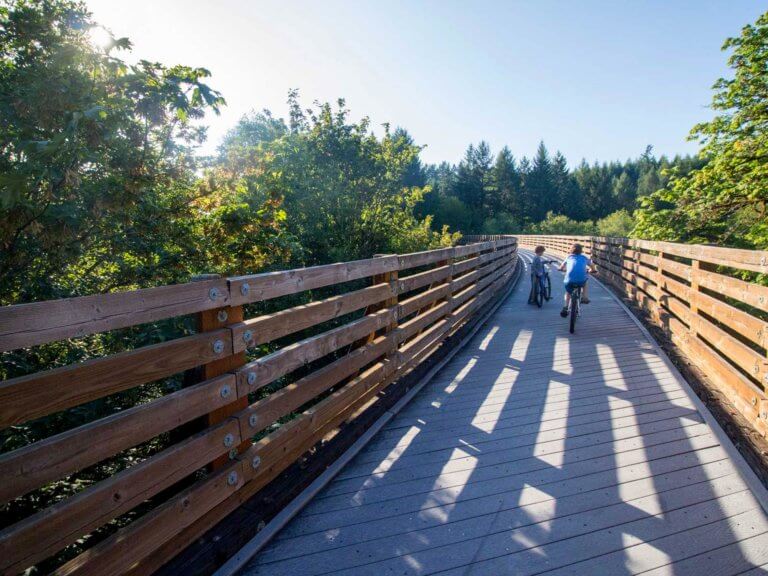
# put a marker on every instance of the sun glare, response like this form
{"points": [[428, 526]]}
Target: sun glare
{"points": [[100, 37]]}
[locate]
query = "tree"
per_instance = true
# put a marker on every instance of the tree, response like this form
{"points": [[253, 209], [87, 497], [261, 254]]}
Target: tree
{"points": [[505, 196], [567, 193], [413, 174], [725, 200], [624, 191], [620, 223], [345, 192], [539, 184], [97, 168], [559, 224]]}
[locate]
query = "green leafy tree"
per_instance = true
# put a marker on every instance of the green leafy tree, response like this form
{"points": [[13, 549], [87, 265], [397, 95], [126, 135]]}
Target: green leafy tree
{"points": [[559, 224], [98, 178], [346, 193], [619, 223], [725, 200]]}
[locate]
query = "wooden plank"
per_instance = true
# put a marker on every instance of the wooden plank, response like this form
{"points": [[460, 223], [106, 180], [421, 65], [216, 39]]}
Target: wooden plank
{"points": [[586, 475], [754, 260], [414, 325], [742, 393], [423, 279], [750, 293], [269, 285], [676, 268], [36, 395], [263, 413], [423, 258], [535, 504], [531, 515], [752, 362], [747, 557], [415, 303], [35, 465], [749, 326], [267, 369], [469, 264], [434, 333], [471, 249], [126, 549], [461, 282], [51, 529], [273, 326], [36, 323], [273, 453]]}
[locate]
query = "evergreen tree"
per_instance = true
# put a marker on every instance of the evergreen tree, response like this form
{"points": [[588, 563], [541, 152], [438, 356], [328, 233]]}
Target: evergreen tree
{"points": [[539, 185], [506, 187], [624, 191], [413, 174]]}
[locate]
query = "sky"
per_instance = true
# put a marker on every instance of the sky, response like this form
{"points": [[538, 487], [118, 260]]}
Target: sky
{"points": [[598, 80]]}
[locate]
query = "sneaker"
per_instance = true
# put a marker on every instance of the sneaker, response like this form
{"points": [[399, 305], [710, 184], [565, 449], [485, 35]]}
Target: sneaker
{"points": [[585, 300], [564, 312]]}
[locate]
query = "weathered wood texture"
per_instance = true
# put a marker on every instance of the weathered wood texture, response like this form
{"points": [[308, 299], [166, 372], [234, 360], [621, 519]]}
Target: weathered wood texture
{"points": [[243, 416], [534, 451], [706, 298]]}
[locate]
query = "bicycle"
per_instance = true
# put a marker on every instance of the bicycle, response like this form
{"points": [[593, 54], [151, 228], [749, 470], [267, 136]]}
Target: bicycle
{"points": [[575, 310], [575, 307], [543, 287]]}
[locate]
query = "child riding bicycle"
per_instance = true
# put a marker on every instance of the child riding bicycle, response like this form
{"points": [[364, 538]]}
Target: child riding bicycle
{"points": [[577, 268]]}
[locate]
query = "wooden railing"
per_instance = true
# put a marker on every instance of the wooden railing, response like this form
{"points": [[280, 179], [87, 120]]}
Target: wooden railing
{"points": [[261, 390], [709, 300]]}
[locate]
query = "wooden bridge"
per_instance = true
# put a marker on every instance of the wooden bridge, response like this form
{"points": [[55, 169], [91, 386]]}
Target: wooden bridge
{"points": [[412, 415]]}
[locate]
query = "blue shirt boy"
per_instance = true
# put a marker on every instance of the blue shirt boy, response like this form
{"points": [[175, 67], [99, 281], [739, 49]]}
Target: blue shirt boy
{"points": [[576, 269]]}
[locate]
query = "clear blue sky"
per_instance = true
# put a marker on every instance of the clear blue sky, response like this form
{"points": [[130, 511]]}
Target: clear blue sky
{"points": [[594, 79]]}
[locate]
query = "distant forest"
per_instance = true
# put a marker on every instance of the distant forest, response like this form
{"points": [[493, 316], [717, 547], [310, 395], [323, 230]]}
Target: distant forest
{"points": [[493, 195]]}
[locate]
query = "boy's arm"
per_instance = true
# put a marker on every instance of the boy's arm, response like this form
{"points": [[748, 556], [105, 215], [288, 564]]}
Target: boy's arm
{"points": [[562, 266]]}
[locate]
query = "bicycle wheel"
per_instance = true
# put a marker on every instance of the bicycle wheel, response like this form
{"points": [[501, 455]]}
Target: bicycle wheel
{"points": [[575, 297], [548, 288], [539, 296]]}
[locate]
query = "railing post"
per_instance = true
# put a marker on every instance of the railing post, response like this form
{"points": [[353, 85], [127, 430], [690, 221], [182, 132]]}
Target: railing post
{"points": [[390, 278], [693, 298], [216, 319]]}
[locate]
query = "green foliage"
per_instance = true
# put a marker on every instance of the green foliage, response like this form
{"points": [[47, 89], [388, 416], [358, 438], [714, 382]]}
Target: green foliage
{"points": [[560, 224], [477, 196], [501, 223], [347, 194], [98, 183], [620, 224], [725, 200]]}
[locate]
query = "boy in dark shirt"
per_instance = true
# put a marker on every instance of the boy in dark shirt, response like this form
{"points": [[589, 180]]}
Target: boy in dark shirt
{"points": [[537, 271]]}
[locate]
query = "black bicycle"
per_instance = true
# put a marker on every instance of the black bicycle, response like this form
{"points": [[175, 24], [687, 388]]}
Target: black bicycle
{"points": [[575, 310], [542, 289]]}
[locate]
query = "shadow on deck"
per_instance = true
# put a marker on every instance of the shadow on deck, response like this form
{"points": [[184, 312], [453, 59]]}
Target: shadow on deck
{"points": [[538, 451]]}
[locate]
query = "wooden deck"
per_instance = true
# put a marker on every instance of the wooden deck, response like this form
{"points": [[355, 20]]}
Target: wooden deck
{"points": [[538, 451]]}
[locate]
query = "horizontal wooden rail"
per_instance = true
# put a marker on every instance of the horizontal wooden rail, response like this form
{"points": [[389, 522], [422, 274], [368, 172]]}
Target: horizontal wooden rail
{"points": [[709, 300], [259, 392]]}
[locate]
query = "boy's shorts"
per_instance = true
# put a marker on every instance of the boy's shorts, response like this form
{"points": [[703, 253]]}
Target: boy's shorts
{"points": [[571, 286]]}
